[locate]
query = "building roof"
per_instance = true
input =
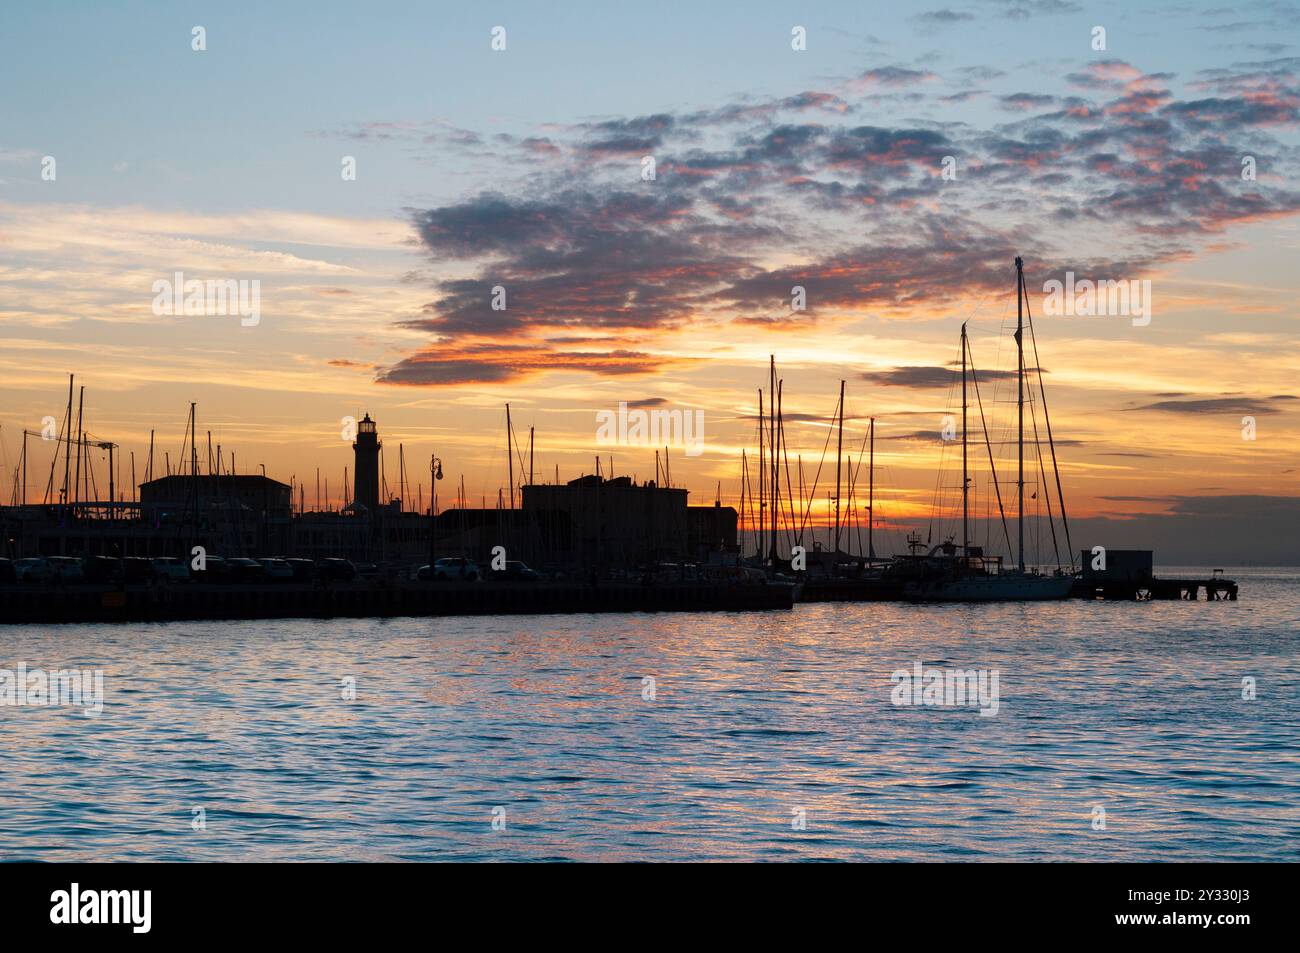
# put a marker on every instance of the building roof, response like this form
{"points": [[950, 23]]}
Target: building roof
{"points": [[241, 480]]}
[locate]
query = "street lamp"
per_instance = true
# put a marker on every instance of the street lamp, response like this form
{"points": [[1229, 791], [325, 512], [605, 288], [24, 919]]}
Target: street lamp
{"points": [[435, 474]]}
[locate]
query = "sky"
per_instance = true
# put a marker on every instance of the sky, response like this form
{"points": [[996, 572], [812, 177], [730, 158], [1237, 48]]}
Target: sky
{"points": [[892, 168]]}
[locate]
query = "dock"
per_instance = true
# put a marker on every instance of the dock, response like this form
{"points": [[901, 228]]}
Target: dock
{"points": [[831, 589], [1128, 574], [365, 599], [1216, 589]]}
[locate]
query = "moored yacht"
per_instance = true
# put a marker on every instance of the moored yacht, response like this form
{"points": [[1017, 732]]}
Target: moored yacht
{"points": [[963, 573], [942, 575]]}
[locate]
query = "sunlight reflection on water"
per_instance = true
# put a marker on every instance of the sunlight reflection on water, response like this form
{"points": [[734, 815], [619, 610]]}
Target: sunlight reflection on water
{"points": [[1136, 708]]}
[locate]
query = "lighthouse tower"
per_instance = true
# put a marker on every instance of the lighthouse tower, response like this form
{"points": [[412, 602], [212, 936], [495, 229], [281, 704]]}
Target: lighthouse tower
{"points": [[366, 464]]}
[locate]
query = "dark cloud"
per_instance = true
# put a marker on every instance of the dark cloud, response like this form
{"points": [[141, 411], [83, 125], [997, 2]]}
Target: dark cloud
{"points": [[803, 418], [925, 377], [1207, 531], [494, 364], [1023, 9], [976, 437], [980, 73], [942, 17], [580, 260], [917, 436], [895, 76], [1024, 102], [756, 197], [637, 136], [1255, 406]]}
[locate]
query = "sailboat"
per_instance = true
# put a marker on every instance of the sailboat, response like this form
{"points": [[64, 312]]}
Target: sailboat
{"points": [[963, 573]]}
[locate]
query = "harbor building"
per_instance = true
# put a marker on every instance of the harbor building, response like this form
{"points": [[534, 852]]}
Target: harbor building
{"points": [[366, 449], [592, 523]]}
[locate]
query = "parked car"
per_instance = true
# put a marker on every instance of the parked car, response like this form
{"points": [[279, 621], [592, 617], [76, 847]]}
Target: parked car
{"points": [[304, 570], [455, 567], [170, 569], [340, 570], [7, 574], [515, 571], [66, 568], [367, 570], [33, 569], [215, 569], [102, 569], [243, 569], [136, 569], [277, 570]]}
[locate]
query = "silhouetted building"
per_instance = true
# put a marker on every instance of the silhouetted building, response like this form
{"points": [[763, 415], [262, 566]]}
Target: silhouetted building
{"points": [[618, 523], [711, 529], [1118, 565], [587, 524], [228, 514], [366, 465], [253, 493]]}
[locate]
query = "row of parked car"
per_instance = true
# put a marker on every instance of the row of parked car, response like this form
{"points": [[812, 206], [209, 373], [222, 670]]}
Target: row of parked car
{"points": [[467, 570], [45, 570], [135, 569]]}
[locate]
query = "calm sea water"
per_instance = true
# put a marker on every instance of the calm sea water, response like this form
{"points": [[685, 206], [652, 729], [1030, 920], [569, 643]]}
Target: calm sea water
{"points": [[540, 722]]}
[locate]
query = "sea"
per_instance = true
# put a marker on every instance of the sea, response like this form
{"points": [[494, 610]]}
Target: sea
{"points": [[1091, 731]]}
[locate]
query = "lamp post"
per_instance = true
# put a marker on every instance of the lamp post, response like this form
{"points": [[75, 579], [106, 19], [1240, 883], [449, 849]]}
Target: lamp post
{"points": [[266, 512], [435, 474]]}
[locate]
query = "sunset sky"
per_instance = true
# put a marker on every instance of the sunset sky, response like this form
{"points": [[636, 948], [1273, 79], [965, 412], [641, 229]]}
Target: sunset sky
{"points": [[774, 168]]}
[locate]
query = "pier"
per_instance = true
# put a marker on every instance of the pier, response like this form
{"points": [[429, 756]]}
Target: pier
{"points": [[832, 589], [198, 601], [1129, 574], [1216, 589]]}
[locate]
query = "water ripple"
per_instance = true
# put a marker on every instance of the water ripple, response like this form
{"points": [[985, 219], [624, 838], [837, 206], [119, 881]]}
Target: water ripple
{"points": [[766, 737]]}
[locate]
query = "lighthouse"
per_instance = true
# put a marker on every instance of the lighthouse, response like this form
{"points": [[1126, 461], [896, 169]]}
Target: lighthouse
{"points": [[366, 465]]}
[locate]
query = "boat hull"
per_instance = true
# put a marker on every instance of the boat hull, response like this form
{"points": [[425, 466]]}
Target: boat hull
{"points": [[1005, 587]]}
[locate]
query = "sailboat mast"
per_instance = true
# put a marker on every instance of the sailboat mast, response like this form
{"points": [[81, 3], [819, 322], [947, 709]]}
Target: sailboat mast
{"points": [[510, 456], [778, 431], [194, 466], [67, 447], [871, 491], [744, 474], [965, 480], [81, 442], [839, 448], [762, 481], [1020, 410], [771, 446]]}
